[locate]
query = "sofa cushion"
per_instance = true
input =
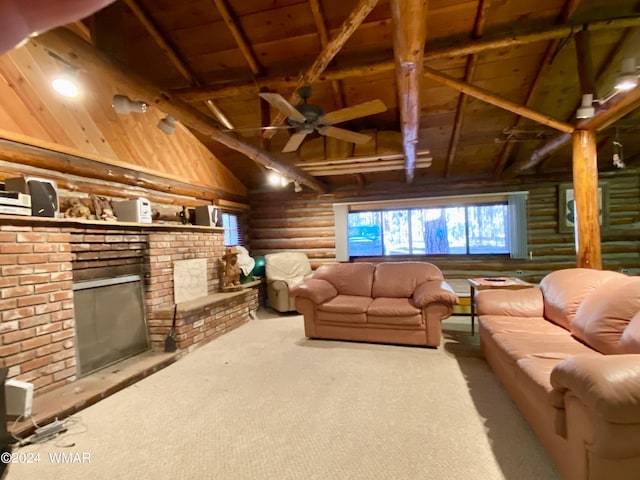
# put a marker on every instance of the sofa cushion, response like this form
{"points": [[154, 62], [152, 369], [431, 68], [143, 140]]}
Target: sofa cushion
{"points": [[400, 279], [534, 373], [517, 345], [396, 307], [605, 313], [564, 290], [346, 304], [500, 323], [348, 278]]}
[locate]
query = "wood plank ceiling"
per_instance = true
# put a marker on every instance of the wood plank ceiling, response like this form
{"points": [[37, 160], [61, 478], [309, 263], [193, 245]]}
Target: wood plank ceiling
{"points": [[486, 89]]}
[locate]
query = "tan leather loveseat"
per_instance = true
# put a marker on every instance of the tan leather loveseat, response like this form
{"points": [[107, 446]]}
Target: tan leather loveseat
{"points": [[568, 353], [395, 302]]}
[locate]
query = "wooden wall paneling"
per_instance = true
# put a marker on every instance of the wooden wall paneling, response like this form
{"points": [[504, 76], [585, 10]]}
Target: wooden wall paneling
{"points": [[92, 128], [37, 117], [16, 110], [39, 66]]}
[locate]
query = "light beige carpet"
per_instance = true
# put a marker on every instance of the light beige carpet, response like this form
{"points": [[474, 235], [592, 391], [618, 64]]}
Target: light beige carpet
{"points": [[264, 402]]}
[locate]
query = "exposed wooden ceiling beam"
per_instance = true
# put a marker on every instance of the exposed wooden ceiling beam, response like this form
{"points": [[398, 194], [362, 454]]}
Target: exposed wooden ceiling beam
{"points": [[353, 21], [470, 68], [568, 11], [493, 99], [605, 76], [508, 41], [586, 72], [409, 35], [463, 49], [614, 110], [78, 52], [173, 56], [239, 36], [151, 28], [323, 33]]}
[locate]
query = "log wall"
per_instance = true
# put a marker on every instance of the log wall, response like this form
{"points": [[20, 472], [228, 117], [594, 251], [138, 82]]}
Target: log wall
{"points": [[287, 221]]}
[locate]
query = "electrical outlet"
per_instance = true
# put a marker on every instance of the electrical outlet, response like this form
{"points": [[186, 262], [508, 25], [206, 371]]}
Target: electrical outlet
{"points": [[519, 273]]}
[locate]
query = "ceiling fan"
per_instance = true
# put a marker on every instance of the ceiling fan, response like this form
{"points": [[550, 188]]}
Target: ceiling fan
{"points": [[307, 118]]}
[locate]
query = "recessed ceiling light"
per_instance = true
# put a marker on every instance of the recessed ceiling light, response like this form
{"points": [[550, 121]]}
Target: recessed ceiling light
{"points": [[65, 86]]}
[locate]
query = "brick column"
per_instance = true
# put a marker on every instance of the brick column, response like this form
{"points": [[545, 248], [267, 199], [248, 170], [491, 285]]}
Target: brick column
{"points": [[37, 336]]}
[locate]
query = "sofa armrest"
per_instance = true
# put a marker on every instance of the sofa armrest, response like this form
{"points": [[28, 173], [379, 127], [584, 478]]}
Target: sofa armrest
{"points": [[315, 289], [527, 302], [434, 291], [608, 385]]}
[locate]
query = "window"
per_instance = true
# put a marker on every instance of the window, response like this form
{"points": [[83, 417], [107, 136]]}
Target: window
{"points": [[232, 235], [480, 225]]}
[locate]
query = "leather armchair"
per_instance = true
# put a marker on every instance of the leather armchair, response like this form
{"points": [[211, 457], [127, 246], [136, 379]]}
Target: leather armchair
{"points": [[283, 270]]}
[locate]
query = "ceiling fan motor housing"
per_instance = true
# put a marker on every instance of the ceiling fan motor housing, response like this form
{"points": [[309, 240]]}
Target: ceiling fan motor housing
{"points": [[312, 114]]}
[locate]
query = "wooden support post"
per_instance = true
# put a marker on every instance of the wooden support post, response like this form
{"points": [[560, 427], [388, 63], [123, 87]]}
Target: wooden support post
{"points": [[409, 35], [585, 194]]}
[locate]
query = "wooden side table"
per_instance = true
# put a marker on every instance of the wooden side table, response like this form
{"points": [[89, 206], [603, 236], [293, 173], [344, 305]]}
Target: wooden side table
{"points": [[487, 283]]}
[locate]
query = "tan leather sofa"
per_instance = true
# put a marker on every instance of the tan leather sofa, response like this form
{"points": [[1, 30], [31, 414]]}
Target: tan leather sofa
{"points": [[283, 270], [395, 302], [568, 353]]}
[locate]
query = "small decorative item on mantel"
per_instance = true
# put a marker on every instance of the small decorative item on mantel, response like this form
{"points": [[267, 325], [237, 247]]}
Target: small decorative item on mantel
{"points": [[77, 209], [102, 207], [231, 278]]}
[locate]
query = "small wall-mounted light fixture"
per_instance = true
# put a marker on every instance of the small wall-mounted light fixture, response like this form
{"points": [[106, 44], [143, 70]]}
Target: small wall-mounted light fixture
{"points": [[628, 78], [124, 105], [167, 124], [297, 187], [586, 109]]}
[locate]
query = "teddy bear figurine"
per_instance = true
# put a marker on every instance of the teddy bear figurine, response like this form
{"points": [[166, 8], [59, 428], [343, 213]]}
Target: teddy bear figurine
{"points": [[231, 269]]}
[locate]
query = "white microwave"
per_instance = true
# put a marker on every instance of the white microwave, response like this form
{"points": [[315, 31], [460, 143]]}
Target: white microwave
{"points": [[137, 210]]}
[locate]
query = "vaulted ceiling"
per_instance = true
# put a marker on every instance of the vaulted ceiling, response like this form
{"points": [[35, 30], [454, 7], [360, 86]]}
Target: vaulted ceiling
{"points": [[481, 90]]}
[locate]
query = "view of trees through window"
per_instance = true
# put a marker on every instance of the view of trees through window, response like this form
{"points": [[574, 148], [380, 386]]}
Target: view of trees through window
{"points": [[459, 230]]}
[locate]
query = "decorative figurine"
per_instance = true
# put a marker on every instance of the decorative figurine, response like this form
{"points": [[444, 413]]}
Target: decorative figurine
{"points": [[231, 269], [77, 209]]}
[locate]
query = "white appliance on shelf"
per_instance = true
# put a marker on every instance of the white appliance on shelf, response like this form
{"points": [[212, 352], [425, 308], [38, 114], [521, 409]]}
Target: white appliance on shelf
{"points": [[208, 215], [137, 210], [19, 398]]}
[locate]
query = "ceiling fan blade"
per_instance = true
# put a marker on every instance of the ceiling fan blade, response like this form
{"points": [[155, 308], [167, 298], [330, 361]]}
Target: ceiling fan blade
{"points": [[251, 129], [356, 111], [342, 134], [294, 141], [278, 101]]}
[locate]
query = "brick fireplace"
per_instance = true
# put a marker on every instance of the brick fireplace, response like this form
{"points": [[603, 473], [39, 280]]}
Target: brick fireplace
{"points": [[41, 259]]}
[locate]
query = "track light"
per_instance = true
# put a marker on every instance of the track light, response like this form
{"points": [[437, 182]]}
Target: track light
{"points": [[586, 109], [628, 78], [123, 105], [167, 124], [297, 187]]}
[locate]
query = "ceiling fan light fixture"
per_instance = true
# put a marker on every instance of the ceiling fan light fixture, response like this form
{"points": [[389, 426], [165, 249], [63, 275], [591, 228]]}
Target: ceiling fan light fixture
{"points": [[124, 105], [586, 109], [167, 124], [628, 78]]}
